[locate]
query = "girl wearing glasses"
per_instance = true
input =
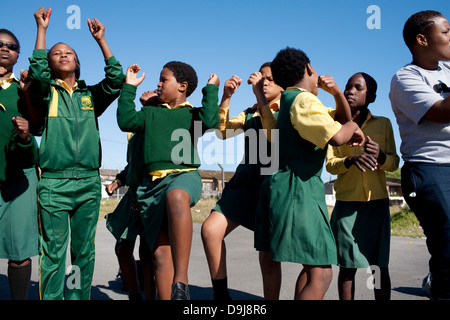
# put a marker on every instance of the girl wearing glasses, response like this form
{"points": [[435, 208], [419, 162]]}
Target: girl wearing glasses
{"points": [[18, 192]]}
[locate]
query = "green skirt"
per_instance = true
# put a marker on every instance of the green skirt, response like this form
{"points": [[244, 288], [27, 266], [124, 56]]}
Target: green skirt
{"points": [[240, 196], [124, 223], [151, 196], [19, 233], [293, 220], [362, 232]]}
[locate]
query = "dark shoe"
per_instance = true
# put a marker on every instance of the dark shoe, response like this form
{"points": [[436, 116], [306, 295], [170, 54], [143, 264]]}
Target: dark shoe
{"points": [[180, 291]]}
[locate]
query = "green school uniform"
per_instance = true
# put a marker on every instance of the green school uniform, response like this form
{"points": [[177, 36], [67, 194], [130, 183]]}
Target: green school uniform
{"points": [[18, 177], [292, 221], [159, 124], [70, 188], [124, 222], [240, 196]]}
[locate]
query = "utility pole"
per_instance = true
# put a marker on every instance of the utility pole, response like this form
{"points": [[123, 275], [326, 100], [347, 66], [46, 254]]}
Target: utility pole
{"points": [[223, 176]]}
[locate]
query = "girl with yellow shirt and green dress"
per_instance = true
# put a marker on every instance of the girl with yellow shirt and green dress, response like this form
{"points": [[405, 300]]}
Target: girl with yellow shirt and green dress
{"points": [[361, 218], [293, 222]]}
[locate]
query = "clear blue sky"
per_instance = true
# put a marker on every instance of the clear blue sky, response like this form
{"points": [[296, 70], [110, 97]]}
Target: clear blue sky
{"points": [[226, 37]]}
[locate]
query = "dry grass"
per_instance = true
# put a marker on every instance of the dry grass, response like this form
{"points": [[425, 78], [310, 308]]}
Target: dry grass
{"points": [[199, 212], [403, 222], [107, 206], [202, 209]]}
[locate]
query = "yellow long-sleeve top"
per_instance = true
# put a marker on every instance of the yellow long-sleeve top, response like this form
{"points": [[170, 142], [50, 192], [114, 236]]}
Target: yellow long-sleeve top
{"points": [[354, 185], [265, 113]]}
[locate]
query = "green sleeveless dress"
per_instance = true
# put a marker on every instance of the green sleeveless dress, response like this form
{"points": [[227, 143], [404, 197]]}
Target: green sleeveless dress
{"points": [[240, 196], [293, 221]]}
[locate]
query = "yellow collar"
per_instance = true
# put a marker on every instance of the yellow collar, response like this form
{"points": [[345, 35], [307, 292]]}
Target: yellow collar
{"points": [[66, 86], [296, 88], [274, 106], [184, 104], [2, 107], [7, 82]]}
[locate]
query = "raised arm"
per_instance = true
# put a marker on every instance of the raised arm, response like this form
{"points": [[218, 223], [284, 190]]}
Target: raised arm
{"points": [[209, 113], [42, 18], [97, 30], [35, 115], [230, 87], [343, 113], [128, 119]]}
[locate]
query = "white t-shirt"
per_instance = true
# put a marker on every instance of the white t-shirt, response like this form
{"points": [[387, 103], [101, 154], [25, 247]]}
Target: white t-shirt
{"points": [[413, 91]]}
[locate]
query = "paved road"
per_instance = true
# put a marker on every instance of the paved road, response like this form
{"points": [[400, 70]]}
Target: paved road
{"points": [[408, 266]]}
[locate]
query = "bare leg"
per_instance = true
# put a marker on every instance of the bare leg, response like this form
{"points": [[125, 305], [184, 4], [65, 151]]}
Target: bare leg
{"points": [[271, 274], [124, 251], [180, 232], [346, 283], [318, 281], [163, 266], [215, 228]]}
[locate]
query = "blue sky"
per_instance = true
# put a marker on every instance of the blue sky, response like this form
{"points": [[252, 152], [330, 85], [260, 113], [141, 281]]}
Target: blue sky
{"points": [[226, 37]]}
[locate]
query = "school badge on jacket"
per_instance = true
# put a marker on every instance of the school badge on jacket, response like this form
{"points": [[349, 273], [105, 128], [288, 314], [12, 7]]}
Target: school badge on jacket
{"points": [[86, 103]]}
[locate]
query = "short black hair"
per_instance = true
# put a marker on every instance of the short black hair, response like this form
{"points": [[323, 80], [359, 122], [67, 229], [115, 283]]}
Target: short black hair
{"points": [[78, 67], [265, 64], [372, 87], [288, 67], [418, 23], [12, 35], [183, 72]]}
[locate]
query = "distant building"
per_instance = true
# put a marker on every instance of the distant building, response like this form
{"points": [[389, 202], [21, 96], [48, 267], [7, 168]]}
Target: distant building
{"points": [[212, 184]]}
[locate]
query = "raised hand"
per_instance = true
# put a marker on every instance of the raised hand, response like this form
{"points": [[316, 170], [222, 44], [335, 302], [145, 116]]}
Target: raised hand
{"points": [[131, 76], [231, 85], [22, 128], [25, 80], [42, 17], [150, 98], [328, 84], [97, 29], [256, 80], [214, 79]]}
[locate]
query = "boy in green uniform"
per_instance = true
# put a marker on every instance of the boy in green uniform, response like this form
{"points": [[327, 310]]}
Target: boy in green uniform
{"points": [[173, 183], [70, 187]]}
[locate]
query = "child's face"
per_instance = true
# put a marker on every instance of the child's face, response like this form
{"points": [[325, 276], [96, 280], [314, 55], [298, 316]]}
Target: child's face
{"points": [[62, 60], [314, 80], [272, 91], [356, 91], [8, 57], [168, 86], [438, 39]]}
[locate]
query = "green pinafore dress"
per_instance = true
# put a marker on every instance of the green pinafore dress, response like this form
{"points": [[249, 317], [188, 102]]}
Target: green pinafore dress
{"points": [[293, 221]]}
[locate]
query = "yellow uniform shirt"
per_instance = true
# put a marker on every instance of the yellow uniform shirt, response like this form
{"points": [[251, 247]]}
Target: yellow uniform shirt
{"points": [[6, 83], [354, 185], [313, 121], [66, 86], [266, 113]]}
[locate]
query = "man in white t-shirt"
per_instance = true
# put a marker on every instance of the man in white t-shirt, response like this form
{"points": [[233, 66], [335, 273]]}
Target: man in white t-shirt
{"points": [[420, 98]]}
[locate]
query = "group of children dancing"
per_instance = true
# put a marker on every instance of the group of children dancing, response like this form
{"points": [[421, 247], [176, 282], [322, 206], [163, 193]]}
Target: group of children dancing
{"points": [[286, 210]]}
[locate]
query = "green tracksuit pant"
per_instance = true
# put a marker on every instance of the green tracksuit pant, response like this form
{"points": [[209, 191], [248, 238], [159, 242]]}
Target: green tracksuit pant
{"points": [[68, 208]]}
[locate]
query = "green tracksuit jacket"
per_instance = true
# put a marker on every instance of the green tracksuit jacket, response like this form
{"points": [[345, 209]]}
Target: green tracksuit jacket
{"points": [[70, 144]]}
